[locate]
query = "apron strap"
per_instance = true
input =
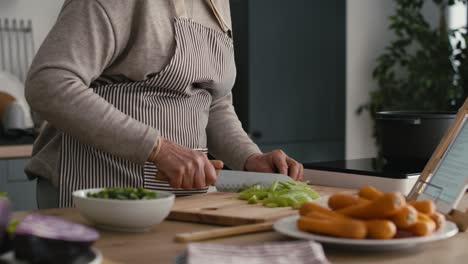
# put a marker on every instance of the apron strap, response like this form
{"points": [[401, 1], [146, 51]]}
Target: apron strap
{"points": [[224, 26], [181, 11], [179, 8]]}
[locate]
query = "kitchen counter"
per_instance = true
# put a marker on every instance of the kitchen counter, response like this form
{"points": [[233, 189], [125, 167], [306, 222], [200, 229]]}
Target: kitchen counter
{"points": [[15, 151], [158, 246]]}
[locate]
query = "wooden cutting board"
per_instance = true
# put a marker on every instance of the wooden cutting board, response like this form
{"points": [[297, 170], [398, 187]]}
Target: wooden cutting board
{"points": [[226, 209]]}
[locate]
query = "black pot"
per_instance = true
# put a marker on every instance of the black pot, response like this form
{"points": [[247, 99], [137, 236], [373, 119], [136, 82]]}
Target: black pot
{"points": [[411, 137]]}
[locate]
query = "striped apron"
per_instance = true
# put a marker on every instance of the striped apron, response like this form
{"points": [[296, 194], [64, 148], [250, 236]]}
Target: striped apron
{"points": [[176, 101]]}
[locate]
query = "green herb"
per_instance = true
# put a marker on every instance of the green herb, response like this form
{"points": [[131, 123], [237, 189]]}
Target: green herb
{"points": [[280, 194], [127, 193]]}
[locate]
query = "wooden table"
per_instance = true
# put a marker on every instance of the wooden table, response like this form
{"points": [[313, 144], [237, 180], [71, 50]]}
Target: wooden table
{"points": [[158, 246]]}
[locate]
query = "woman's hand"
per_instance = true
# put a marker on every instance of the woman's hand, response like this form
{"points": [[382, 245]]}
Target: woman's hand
{"points": [[275, 161], [183, 167]]}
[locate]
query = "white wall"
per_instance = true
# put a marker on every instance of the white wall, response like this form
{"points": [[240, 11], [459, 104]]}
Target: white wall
{"points": [[42, 12], [367, 35], [457, 16]]}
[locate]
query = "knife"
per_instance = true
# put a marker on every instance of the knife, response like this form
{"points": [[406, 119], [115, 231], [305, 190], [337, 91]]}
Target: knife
{"points": [[234, 181]]}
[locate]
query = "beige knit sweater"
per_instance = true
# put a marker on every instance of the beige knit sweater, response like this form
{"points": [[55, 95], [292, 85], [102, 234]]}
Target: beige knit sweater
{"points": [[130, 38]]}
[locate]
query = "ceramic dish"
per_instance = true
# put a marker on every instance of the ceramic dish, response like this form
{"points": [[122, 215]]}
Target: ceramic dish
{"points": [[287, 226], [124, 215]]}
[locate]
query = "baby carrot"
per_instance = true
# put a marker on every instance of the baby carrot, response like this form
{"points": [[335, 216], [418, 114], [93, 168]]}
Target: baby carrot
{"points": [[369, 192], [342, 200], [423, 227], [405, 217], [380, 229], [424, 206], [346, 228], [385, 206]]}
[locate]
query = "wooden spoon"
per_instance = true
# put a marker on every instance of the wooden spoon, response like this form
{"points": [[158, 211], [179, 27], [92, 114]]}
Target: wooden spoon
{"points": [[223, 232]]}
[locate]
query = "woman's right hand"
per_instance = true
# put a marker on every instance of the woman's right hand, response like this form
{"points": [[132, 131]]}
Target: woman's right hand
{"points": [[184, 168]]}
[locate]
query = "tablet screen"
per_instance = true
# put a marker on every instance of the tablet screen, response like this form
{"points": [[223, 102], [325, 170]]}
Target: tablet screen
{"points": [[450, 178]]}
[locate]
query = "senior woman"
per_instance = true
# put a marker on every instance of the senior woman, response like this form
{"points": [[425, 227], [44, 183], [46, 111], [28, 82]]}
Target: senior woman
{"points": [[129, 88]]}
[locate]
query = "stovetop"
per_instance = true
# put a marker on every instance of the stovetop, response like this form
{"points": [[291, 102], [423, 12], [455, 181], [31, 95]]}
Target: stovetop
{"points": [[371, 167]]}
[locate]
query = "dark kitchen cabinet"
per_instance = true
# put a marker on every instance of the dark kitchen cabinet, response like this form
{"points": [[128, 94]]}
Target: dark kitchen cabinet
{"points": [[290, 88], [21, 191]]}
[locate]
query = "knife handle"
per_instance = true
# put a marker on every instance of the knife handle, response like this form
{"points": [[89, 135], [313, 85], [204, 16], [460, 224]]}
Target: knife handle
{"points": [[223, 232], [162, 177]]}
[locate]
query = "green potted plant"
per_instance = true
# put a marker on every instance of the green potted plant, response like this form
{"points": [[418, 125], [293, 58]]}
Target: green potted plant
{"points": [[421, 75]]}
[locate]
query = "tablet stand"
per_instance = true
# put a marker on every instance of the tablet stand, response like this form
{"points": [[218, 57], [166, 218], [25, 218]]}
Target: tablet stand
{"points": [[457, 215]]}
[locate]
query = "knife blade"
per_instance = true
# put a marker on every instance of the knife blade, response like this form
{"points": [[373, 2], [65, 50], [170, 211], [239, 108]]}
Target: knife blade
{"points": [[234, 181]]}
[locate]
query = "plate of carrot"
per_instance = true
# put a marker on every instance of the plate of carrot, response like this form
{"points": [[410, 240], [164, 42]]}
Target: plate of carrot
{"points": [[369, 219]]}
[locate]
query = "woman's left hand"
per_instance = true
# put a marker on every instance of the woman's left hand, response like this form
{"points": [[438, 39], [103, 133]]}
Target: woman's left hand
{"points": [[277, 162]]}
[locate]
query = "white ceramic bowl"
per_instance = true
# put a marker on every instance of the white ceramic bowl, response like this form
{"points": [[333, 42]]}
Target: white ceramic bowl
{"points": [[123, 215]]}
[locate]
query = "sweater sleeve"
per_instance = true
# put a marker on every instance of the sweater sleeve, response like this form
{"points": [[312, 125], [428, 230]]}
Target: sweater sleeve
{"points": [[77, 50], [227, 140]]}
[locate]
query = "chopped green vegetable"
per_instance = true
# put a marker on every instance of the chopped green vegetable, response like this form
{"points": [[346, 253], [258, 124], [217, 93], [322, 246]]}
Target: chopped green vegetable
{"points": [[280, 194], [253, 200], [127, 193], [12, 227], [3, 195], [271, 205], [274, 186]]}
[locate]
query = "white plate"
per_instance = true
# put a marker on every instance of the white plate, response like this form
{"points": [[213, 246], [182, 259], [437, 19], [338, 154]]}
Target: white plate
{"points": [[9, 258], [287, 226], [98, 259]]}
